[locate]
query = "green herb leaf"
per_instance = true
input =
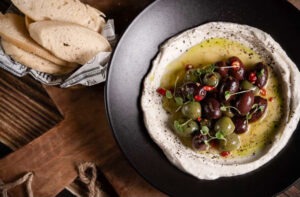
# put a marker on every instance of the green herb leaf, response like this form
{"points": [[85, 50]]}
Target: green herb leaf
{"points": [[204, 130], [220, 136], [248, 116], [199, 71], [261, 73], [223, 108], [178, 126], [210, 68], [179, 101], [169, 94], [227, 95], [206, 69], [261, 108]]}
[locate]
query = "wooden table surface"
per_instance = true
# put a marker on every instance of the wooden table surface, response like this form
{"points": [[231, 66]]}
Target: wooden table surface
{"points": [[84, 129]]}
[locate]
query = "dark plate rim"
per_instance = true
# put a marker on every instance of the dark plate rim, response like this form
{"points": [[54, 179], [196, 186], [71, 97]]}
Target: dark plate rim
{"points": [[107, 102]]}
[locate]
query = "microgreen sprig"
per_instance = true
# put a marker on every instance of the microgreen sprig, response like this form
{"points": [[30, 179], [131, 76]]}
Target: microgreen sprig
{"points": [[180, 103], [261, 72], [224, 108], [228, 94], [207, 69], [205, 131], [220, 136], [180, 126], [178, 100], [256, 108], [169, 94], [233, 66]]}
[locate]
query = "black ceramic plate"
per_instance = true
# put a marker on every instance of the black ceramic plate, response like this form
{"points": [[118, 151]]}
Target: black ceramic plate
{"points": [[132, 60]]}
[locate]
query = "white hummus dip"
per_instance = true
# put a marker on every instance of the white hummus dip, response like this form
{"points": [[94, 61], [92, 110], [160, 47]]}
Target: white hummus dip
{"points": [[209, 165]]}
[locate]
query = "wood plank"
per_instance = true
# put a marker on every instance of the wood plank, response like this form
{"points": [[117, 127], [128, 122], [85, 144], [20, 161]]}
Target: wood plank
{"points": [[26, 111], [84, 135], [292, 192], [296, 3], [115, 167]]}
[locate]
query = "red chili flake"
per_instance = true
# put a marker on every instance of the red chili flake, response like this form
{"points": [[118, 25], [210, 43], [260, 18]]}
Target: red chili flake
{"points": [[225, 153], [199, 119], [263, 92], [161, 91], [252, 77], [189, 67], [271, 99], [198, 98], [208, 88]]}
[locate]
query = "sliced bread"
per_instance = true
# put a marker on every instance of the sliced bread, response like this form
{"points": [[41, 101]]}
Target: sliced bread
{"points": [[72, 11], [32, 61], [28, 21], [13, 29], [68, 41]]}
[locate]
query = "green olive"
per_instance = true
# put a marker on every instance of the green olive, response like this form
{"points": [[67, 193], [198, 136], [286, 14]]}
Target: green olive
{"points": [[176, 116], [186, 127], [191, 110], [224, 125], [169, 105], [191, 76], [191, 127], [228, 112], [246, 85], [211, 79], [231, 143]]}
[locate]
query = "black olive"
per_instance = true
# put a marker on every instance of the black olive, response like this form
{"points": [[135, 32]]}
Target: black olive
{"points": [[222, 71], [241, 125], [231, 85], [262, 74], [198, 142], [259, 110], [238, 68], [211, 108], [187, 90], [245, 102]]}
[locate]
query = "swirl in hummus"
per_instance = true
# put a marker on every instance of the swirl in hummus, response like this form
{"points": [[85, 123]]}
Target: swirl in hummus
{"points": [[208, 44]]}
